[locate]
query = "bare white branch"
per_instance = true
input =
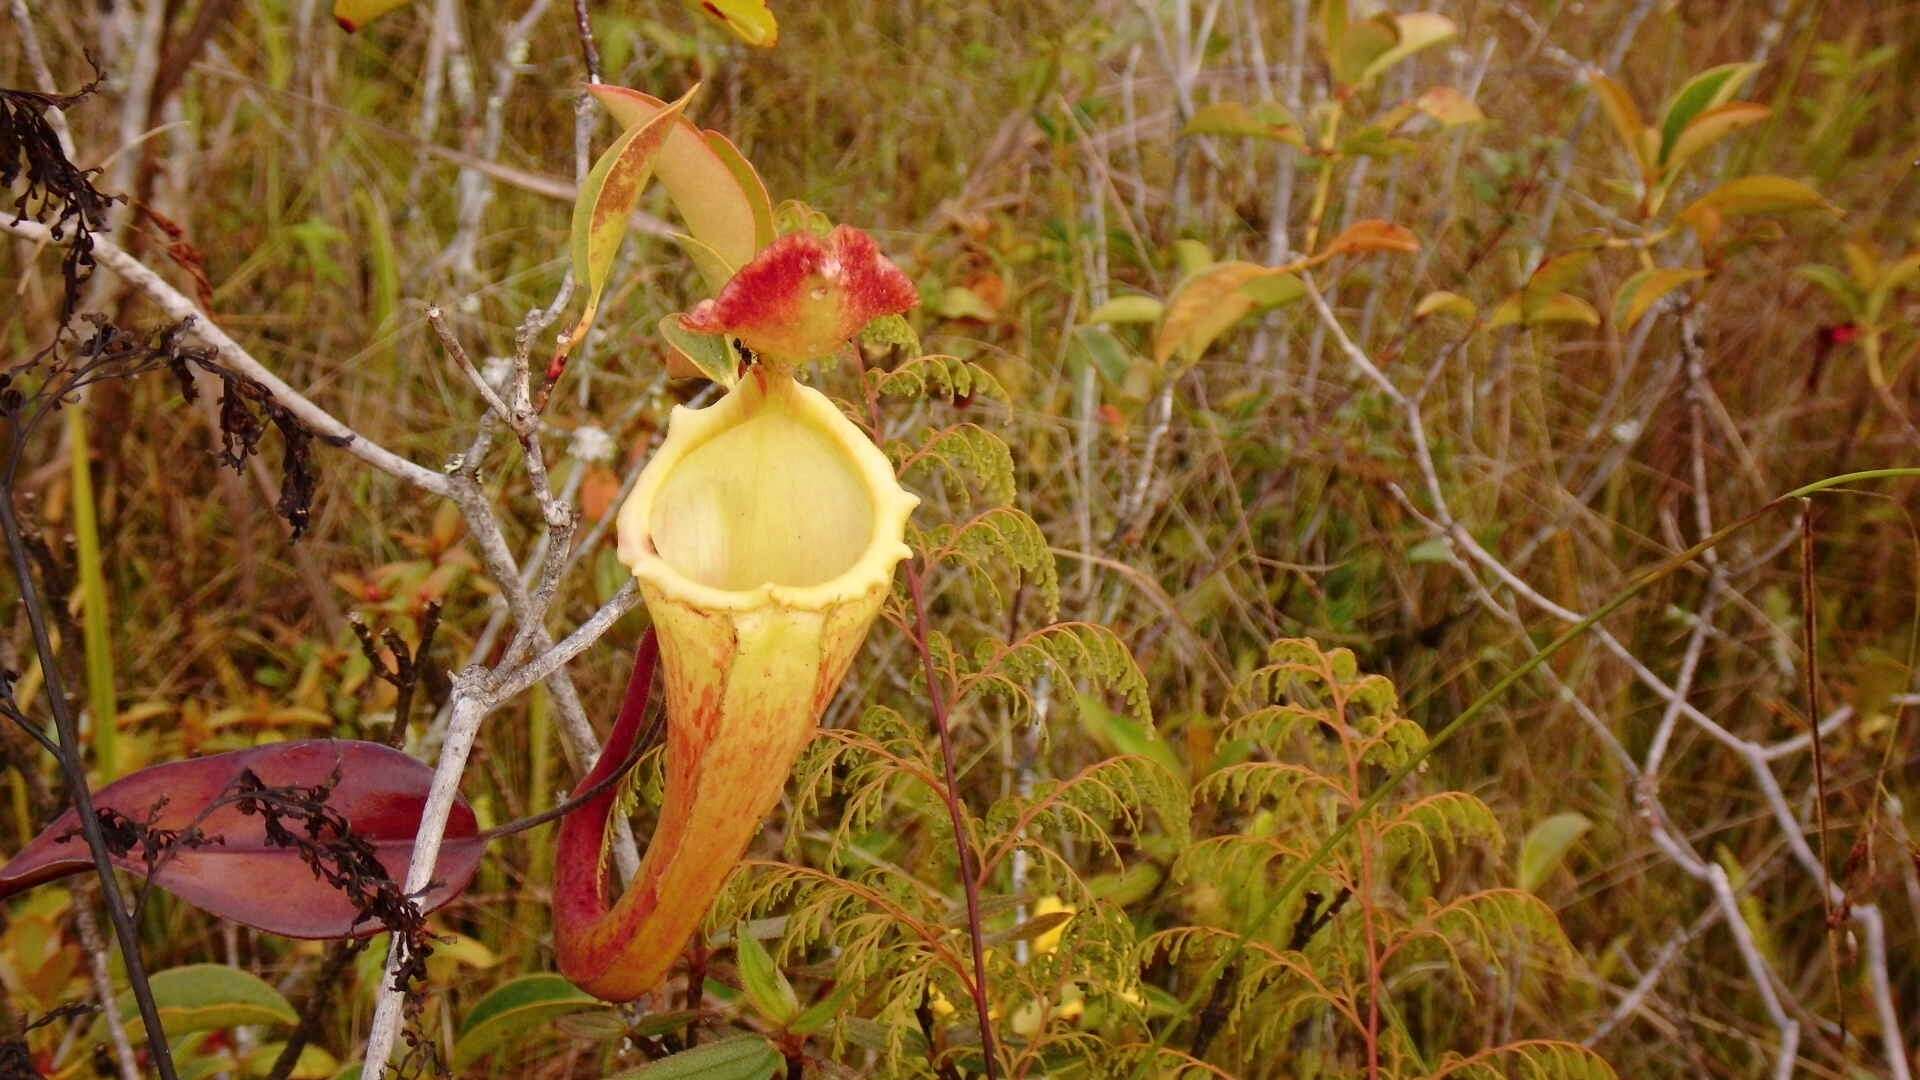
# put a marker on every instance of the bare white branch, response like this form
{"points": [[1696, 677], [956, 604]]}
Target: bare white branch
{"points": [[178, 306], [1471, 559]]}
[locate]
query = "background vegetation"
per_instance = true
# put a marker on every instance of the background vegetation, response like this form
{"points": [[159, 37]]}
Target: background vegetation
{"points": [[1637, 848]]}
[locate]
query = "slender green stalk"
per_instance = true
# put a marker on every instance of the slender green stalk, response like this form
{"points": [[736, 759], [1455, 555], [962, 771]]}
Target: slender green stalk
{"points": [[95, 625], [1295, 882]]}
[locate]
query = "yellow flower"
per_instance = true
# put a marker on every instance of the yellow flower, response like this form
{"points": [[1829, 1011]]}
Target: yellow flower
{"points": [[1050, 905]]}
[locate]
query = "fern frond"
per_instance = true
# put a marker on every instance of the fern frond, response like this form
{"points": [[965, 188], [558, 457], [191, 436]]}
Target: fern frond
{"points": [[1273, 990], [1490, 923], [937, 375], [1170, 1062], [1260, 961], [1364, 710], [1388, 741], [645, 782], [1072, 652], [1298, 669], [876, 923], [965, 457], [1117, 791], [1532, 1059], [990, 542], [873, 777], [1251, 784], [1234, 859], [891, 331], [1445, 822], [1275, 726]]}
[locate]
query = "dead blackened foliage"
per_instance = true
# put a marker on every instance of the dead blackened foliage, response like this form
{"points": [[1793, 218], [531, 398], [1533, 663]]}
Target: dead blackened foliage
{"points": [[124, 834], [58, 193], [421, 1059], [247, 408], [61, 195], [301, 819], [16, 1059]]}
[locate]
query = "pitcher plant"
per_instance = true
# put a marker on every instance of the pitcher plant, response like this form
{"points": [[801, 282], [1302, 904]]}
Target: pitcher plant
{"points": [[764, 535]]}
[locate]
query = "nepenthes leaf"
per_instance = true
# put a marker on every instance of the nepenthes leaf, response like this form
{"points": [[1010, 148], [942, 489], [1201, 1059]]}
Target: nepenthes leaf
{"points": [[235, 871]]}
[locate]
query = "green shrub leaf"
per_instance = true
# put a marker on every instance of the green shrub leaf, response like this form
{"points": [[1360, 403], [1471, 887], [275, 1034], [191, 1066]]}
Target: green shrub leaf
{"points": [[760, 977], [1639, 293], [745, 1057], [206, 997], [513, 1009], [1547, 845], [1708, 90]]}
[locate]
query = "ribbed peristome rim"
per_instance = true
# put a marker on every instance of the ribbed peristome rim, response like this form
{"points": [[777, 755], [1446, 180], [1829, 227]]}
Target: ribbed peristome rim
{"points": [[688, 429]]}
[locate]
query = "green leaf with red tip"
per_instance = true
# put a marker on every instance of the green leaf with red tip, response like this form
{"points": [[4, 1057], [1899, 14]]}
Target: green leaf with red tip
{"points": [[1706, 91], [1546, 847], [752, 187], [380, 792], [1640, 292], [1755, 195], [605, 203], [708, 356], [1372, 235], [1442, 302], [1557, 308], [204, 997], [750, 20], [1267, 120], [1207, 303], [1412, 32], [1549, 280], [1712, 126], [712, 265], [1624, 115], [1449, 107], [1128, 309], [1354, 47], [354, 14], [714, 189]]}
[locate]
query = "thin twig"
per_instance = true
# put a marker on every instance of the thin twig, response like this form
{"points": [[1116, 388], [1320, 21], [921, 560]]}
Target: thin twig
{"points": [[1752, 755], [937, 701], [96, 951], [1810, 671], [179, 306], [339, 955], [68, 729], [589, 52]]}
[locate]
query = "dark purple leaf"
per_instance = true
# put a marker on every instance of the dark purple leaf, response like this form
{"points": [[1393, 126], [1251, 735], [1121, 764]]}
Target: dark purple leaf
{"points": [[234, 871]]}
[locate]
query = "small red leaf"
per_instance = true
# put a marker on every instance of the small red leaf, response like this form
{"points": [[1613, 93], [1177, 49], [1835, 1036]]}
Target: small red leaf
{"points": [[243, 878]]}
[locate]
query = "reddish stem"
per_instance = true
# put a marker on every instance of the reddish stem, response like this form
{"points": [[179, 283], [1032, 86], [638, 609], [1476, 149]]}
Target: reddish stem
{"points": [[937, 698]]}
